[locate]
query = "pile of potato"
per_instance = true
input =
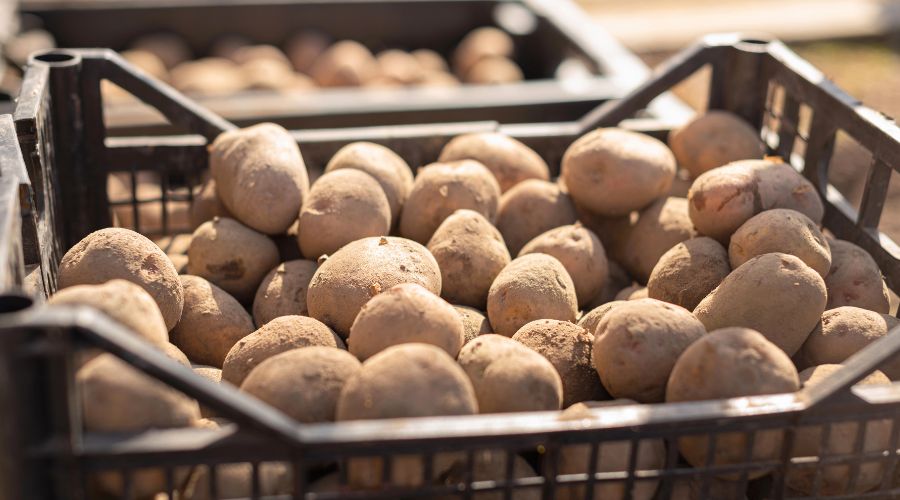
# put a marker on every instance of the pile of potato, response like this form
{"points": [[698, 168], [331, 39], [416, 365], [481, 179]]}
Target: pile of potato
{"points": [[480, 285]]}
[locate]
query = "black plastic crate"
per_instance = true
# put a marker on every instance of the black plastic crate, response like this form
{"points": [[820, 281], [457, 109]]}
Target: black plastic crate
{"points": [[65, 143]]}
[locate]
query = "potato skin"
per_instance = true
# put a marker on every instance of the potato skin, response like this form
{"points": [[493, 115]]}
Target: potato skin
{"points": [[781, 230], [855, 279], [509, 160], [568, 347], [580, 251], [363, 269], [775, 293], [206, 205], [283, 291], [232, 256], [115, 253], [726, 363], [122, 301], [662, 225], [688, 272], [260, 176], [343, 206], [470, 253], [713, 139], [443, 188], [842, 332], [391, 171], [591, 319], [211, 323], [636, 344], [402, 314], [633, 292], [275, 337], [631, 169], [494, 71], [480, 43], [344, 64], [531, 287], [531, 208], [475, 323], [323, 370]]}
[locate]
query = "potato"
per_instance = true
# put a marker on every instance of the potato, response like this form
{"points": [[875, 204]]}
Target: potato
{"points": [[115, 397], [633, 292], [438, 79], [843, 332], [713, 139], [401, 314], [494, 71], [391, 171], [568, 347], [283, 291], [724, 198], [124, 302], [170, 48], [175, 354], [275, 337], [235, 480], [636, 345], [250, 53], [147, 62], [781, 230], [214, 375], [206, 205], [430, 60], [231, 256], [174, 245], [612, 456], [323, 372], [304, 48], [210, 76], [775, 293], [225, 46], [260, 176], [443, 188], [591, 319], [659, 227], [855, 279], [579, 250], [211, 323], [362, 270], [688, 272], [728, 363], [344, 64], [617, 281], [534, 286], [21, 45], [612, 231], [407, 380], [287, 244], [835, 479], [399, 66], [471, 253], [479, 44], [342, 206], [510, 377], [115, 253], [531, 208], [488, 465], [630, 169], [269, 74], [474, 322], [509, 160]]}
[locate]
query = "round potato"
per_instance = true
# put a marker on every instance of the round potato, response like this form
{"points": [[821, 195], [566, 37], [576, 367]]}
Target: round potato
{"points": [[399, 66], [636, 345], [343, 205], [629, 168], [275, 337], [210, 76], [471, 253], [475, 323], [231, 256], [122, 301], [115, 253], [579, 250], [510, 377], [843, 332], [176, 354], [304, 48], [171, 49], [443, 188], [212, 322], [591, 319], [531, 208], [430, 60], [260, 176], [214, 375], [283, 291], [713, 139], [728, 363], [509, 160], [781, 230], [323, 372], [659, 227], [534, 286], [568, 347], [402, 314], [344, 64], [363, 269], [249, 53], [269, 74], [494, 71], [633, 292], [688, 272], [479, 44], [207, 205], [855, 279], [391, 171], [617, 281]]}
